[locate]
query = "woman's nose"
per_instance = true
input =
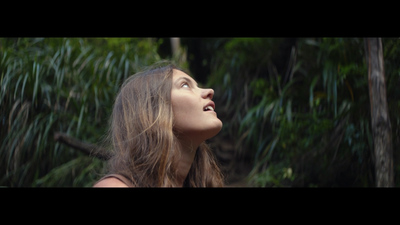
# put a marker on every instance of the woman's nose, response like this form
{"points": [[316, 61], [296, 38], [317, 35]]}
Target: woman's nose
{"points": [[207, 93]]}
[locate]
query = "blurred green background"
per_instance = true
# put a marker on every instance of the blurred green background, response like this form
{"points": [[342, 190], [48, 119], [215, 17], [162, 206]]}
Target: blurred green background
{"points": [[296, 111]]}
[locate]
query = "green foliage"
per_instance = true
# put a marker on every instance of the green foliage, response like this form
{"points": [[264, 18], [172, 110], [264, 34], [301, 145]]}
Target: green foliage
{"points": [[298, 108], [310, 117], [60, 84]]}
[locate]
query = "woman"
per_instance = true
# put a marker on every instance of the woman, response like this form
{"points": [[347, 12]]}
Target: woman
{"points": [[159, 125]]}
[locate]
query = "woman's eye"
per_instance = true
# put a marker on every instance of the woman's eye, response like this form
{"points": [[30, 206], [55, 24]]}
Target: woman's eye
{"points": [[185, 85]]}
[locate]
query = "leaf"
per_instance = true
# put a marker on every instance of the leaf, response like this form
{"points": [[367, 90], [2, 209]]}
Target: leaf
{"points": [[289, 111], [335, 97], [36, 84], [80, 120], [268, 109], [23, 86]]}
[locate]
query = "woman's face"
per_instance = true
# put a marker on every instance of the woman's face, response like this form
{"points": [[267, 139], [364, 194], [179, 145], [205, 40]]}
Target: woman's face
{"points": [[194, 111]]}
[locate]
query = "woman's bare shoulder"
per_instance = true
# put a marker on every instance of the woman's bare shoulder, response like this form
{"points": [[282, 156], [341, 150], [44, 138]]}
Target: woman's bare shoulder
{"points": [[110, 182]]}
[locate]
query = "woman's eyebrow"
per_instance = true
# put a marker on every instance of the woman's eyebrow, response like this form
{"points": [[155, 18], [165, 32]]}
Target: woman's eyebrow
{"points": [[188, 80]]}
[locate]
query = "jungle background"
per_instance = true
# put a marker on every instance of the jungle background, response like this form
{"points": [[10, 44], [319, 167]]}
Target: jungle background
{"points": [[296, 111]]}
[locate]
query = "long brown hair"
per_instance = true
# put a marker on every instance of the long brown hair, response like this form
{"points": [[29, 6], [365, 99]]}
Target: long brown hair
{"points": [[144, 145]]}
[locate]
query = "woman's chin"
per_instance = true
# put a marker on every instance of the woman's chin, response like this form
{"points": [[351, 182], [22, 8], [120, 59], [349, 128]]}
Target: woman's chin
{"points": [[200, 135], [214, 130]]}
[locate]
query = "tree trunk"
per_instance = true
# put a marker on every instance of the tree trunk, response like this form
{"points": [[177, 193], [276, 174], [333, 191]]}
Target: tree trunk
{"points": [[175, 45], [380, 121], [178, 53]]}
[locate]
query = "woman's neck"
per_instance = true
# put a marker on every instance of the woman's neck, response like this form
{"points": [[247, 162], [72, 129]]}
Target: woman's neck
{"points": [[188, 152]]}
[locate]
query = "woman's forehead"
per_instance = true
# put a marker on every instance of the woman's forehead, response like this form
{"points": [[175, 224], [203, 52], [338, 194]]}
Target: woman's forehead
{"points": [[177, 74]]}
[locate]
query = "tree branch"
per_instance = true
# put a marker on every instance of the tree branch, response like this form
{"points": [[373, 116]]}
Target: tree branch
{"points": [[87, 148]]}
